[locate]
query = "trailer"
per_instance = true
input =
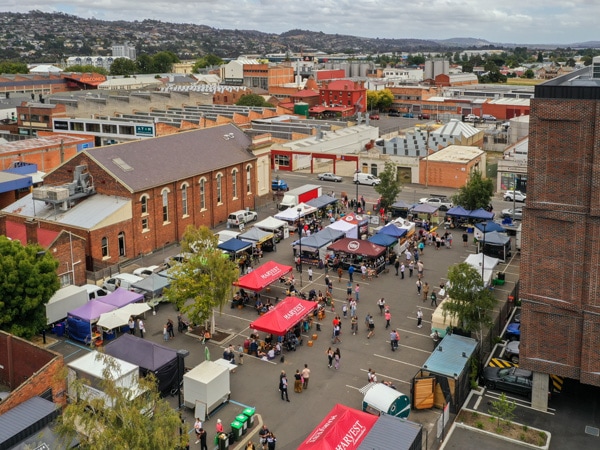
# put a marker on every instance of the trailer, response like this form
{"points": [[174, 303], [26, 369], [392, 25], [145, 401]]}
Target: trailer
{"points": [[300, 195], [65, 300], [205, 388]]}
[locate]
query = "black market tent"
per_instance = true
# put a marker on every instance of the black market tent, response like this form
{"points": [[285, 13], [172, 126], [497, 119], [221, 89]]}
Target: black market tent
{"points": [[393, 432], [322, 201], [153, 284], [150, 357], [424, 208], [496, 244], [234, 246], [458, 211], [26, 419], [481, 214], [400, 209]]}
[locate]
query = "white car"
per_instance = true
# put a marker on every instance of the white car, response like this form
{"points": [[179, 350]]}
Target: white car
{"points": [[241, 217], [512, 352], [146, 271], [471, 118], [328, 176], [518, 196], [443, 203], [517, 214]]}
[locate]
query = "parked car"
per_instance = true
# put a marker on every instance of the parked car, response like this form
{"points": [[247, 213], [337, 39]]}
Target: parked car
{"points": [[279, 185], [424, 116], [517, 214], [443, 203], [471, 118], [488, 118], [408, 115], [518, 196], [328, 176], [366, 178], [241, 216], [513, 331], [511, 379], [511, 352], [123, 280], [394, 114], [146, 271], [170, 261], [374, 116]]}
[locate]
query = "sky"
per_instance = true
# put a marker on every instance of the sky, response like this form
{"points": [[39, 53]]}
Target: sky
{"points": [[498, 21]]}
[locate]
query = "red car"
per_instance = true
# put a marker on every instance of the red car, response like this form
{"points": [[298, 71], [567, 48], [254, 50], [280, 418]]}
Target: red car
{"points": [[374, 116]]}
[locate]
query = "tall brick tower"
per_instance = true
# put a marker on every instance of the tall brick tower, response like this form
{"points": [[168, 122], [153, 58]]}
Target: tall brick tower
{"points": [[560, 266]]}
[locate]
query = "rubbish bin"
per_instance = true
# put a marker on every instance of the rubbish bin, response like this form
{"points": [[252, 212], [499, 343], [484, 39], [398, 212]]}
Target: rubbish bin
{"points": [[223, 442], [59, 329], [249, 413], [231, 438], [501, 276], [237, 429], [243, 419]]}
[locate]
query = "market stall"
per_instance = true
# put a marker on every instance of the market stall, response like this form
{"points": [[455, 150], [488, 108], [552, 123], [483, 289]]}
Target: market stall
{"points": [[280, 228], [485, 265], [284, 316], [295, 213], [236, 248], [263, 240], [357, 252], [486, 227], [81, 321], [350, 230], [322, 202], [343, 427], [495, 244], [382, 399], [480, 214], [263, 276], [393, 432], [385, 240], [400, 209], [424, 212], [360, 221], [314, 247], [121, 297]]}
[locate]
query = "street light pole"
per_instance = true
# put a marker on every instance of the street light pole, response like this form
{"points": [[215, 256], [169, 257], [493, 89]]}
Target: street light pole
{"points": [[356, 182], [299, 210], [427, 159]]}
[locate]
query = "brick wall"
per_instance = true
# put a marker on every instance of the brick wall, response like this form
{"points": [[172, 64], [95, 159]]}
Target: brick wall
{"points": [[444, 174], [29, 371], [560, 264]]}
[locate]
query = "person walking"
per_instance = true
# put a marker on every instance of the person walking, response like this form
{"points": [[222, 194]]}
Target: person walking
{"points": [[170, 328], [402, 268], [388, 317], [352, 304], [381, 305], [411, 268], [357, 292], [420, 268], [141, 327], [419, 286], [371, 327], [202, 437], [337, 356], [336, 334], [354, 324], [345, 310], [425, 291], [262, 436], [394, 340], [310, 273], [131, 325], [351, 273], [305, 376], [165, 332], [449, 239], [298, 382], [340, 272], [283, 386], [419, 318], [329, 354], [197, 428], [271, 440], [433, 298], [397, 265], [219, 426], [363, 271]]}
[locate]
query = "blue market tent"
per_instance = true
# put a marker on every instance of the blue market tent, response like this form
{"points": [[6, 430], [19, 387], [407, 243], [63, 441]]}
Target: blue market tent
{"points": [[383, 239], [481, 214], [234, 245], [458, 211], [489, 226], [393, 230], [400, 204], [322, 201], [331, 234]]}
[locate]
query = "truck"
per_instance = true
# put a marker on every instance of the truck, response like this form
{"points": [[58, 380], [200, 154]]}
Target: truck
{"points": [[64, 300], [300, 195]]}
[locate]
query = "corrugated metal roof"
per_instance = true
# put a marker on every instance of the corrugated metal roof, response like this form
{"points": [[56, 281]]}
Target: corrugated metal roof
{"points": [[89, 213], [456, 128], [162, 160], [451, 356], [391, 432], [460, 154], [25, 419], [510, 101]]}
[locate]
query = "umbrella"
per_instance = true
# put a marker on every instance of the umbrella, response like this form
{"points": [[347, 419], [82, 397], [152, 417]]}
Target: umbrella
{"points": [[113, 319], [135, 309]]}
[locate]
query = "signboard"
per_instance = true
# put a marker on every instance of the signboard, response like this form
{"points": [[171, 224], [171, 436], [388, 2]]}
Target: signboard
{"points": [[144, 130], [61, 125]]}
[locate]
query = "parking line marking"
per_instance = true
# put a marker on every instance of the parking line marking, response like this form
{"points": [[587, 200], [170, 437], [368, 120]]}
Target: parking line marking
{"points": [[522, 403], [396, 360]]}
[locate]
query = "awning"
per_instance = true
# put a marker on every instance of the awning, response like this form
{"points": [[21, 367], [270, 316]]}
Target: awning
{"points": [[322, 201], [424, 209], [263, 276], [91, 310], [357, 247], [349, 229], [256, 235], [234, 245], [495, 238], [383, 239], [393, 230], [292, 214], [401, 205], [121, 297], [284, 316], [489, 226], [481, 214], [270, 224], [458, 211], [343, 427]]}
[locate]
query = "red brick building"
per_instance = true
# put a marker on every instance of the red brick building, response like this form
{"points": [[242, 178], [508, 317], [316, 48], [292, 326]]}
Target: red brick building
{"points": [[560, 266], [344, 93]]}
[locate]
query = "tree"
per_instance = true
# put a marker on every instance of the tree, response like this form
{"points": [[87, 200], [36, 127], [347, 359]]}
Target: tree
{"points": [[86, 69], [27, 282], [163, 61], [390, 187], [13, 67], [207, 61], [503, 409], [528, 74], [115, 420], [206, 277], [468, 299], [372, 100], [252, 100], [385, 98], [123, 66], [477, 193], [144, 63]]}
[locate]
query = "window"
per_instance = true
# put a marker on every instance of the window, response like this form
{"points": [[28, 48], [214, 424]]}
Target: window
{"points": [[145, 226], [65, 279], [121, 244], [144, 203], [105, 247], [282, 160], [234, 183], [202, 194], [248, 179], [184, 199], [219, 188], [165, 205]]}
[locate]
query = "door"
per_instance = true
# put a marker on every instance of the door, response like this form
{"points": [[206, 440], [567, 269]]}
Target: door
{"points": [[121, 244]]}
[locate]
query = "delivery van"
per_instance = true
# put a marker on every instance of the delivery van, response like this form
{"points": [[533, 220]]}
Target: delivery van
{"points": [[366, 178]]}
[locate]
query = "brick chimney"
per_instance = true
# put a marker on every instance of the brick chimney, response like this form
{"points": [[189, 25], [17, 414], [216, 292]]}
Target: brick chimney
{"points": [[31, 226], [2, 224]]}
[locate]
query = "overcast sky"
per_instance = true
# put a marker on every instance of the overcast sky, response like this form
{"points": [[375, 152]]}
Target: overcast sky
{"points": [[503, 21]]}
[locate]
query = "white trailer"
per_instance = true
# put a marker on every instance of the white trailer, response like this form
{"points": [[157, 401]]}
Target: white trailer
{"points": [[65, 300], [205, 388]]}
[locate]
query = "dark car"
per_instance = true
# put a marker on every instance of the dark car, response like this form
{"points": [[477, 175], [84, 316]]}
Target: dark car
{"points": [[424, 116], [394, 114], [513, 331], [511, 379]]}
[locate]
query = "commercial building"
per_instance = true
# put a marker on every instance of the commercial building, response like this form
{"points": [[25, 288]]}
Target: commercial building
{"points": [[560, 265]]}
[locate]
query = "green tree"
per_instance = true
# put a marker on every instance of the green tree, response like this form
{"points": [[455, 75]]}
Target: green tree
{"points": [[123, 66], [477, 193], [540, 57], [207, 61], [503, 409], [206, 278], [390, 187], [163, 61], [252, 100], [385, 98], [144, 63], [28, 280], [116, 421], [468, 299], [372, 100], [528, 74], [13, 67], [86, 69]]}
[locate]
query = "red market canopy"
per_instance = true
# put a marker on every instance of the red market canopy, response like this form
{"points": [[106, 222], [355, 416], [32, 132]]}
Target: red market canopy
{"points": [[357, 247], [343, 427], [284, 316], [263, 276]]}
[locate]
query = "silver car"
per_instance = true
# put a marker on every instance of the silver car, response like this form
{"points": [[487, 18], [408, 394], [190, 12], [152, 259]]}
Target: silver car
{"points": [[328, 176], [517, 214]]}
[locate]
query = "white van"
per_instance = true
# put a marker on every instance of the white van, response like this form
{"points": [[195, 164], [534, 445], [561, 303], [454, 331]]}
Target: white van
{"points": [[124, 280], [366, 178]]}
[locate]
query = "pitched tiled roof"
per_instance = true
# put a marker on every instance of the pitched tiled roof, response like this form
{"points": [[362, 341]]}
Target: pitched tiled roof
{"points": [[154, 162], [17, 232]]}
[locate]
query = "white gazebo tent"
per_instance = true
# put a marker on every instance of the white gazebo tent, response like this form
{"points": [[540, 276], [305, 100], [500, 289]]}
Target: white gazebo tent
{"points": [[485, 265]]}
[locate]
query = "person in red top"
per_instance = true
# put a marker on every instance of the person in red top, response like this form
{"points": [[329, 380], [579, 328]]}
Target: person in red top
{"points": [[388, 317], [219, 426]]}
